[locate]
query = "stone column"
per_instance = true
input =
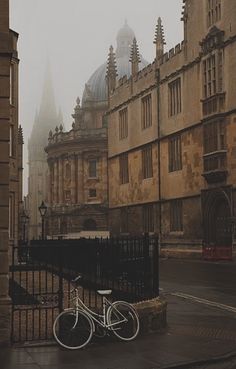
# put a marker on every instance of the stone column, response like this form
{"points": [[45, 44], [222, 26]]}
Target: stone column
{"points": [[73, 180], [80, 179], [60, 181], [50, 179], [55, 183], [104, 176]]}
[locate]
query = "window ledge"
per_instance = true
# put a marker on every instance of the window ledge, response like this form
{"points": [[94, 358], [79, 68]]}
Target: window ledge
{"points": [[145, 128], [217, 152], [92, 201], [148, 179], [175, 171], [176, 233]]}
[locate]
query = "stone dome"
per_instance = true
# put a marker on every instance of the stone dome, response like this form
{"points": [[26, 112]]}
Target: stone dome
{"points": [[96, 88]]}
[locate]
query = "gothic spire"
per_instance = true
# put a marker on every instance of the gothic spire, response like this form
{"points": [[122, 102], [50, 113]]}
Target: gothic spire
{"points": [[60, 117], [111, 73], [46, 119], [159, 39], [47, 111], [134, 57]]}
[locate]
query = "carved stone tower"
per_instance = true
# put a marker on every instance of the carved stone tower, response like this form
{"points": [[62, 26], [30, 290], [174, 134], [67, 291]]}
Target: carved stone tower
{"points": [[134, 57], [159, 39], [46, 119], [111, 72]]}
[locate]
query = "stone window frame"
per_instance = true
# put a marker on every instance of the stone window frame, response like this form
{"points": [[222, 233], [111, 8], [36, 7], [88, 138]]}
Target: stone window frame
{"points": [[92, 193], [147, 162], [12, 84], [123, 123], [124, 168], [11, 141], [176, 215], [175, 97], [214, 145], [212, 74], [67, 194], [93, 172], [214, 12], [11, 215], [146, 111], [175, 153], [68, 170]]}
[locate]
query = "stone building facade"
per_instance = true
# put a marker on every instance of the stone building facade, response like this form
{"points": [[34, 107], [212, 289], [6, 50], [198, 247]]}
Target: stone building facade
{"points": [[78, 159], [11, 141], [171, 134], [45, 119]]}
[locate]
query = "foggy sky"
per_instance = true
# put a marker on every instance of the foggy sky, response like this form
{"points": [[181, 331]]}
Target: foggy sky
{"points": [[75, 36]]}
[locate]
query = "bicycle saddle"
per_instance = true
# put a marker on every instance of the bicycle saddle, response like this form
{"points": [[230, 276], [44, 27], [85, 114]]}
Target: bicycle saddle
{"points": [[104, 292]]}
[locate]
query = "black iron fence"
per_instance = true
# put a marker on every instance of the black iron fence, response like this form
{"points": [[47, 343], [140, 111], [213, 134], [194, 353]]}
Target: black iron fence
{"points": [[42, 271]]}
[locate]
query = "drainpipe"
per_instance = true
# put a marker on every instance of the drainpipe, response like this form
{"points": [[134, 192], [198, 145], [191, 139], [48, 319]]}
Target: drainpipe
{"points": [[159, 153]]}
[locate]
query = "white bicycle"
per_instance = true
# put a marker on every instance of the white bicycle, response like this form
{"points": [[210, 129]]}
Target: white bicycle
{"points": [[74, 327]]}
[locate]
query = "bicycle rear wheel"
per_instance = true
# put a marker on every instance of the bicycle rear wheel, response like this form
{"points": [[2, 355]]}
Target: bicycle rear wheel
{"points": [[70, 334], [124, 319]]}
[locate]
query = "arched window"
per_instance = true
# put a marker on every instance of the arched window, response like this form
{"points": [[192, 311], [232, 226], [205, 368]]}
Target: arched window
{"points": [[89, 225], [68, 171]]}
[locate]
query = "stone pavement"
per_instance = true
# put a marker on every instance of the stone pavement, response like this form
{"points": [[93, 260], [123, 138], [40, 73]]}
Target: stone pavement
{"points": [[153, 351], [192, 336]]}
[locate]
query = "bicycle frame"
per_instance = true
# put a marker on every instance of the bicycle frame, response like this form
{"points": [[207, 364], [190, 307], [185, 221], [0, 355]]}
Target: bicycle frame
{"points": [[100, 319]]}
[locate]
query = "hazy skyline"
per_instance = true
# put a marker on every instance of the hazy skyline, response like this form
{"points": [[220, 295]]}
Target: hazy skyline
{"points": [[75, 36]]}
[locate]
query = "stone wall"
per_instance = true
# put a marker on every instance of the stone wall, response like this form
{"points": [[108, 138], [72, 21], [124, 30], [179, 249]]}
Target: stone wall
{"points": [[152, 315], [5, 57]]}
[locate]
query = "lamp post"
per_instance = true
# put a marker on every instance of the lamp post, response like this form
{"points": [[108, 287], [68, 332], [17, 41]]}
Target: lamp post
{"points": [[43, 210], [24, 219]]}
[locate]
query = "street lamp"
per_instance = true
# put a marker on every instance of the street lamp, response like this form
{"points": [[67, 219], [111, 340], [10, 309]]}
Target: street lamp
{"points": [[24, 219], [43, 210]]}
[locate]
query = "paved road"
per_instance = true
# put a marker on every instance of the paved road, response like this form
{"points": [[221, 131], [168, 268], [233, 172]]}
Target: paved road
{"points": [[207, 280], [201, 302]]}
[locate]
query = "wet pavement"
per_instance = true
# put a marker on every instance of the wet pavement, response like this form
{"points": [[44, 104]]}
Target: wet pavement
{"points": [[197, 336]]}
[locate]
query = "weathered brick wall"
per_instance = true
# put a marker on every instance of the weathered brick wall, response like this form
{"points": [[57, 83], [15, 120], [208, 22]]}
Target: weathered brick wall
{"points": [[137, 190]]}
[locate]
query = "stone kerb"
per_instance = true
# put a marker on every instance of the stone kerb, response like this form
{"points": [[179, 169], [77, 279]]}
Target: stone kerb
{"points": [[152, 314]]}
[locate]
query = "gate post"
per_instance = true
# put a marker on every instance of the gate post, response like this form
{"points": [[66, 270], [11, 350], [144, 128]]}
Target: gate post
{"points": [[60, 289], [147, 274], [5, 301], [155, 266]]}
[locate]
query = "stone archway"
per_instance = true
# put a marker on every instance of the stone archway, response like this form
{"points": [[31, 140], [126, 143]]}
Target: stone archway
{"points": [[217, 223], [89, 225]]}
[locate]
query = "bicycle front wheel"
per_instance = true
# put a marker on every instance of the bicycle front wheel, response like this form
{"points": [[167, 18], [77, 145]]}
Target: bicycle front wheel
{"points": [[123, 320], [73, 329]]}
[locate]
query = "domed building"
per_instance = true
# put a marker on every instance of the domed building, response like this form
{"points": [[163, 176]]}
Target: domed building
{"points": [[78, 189]]}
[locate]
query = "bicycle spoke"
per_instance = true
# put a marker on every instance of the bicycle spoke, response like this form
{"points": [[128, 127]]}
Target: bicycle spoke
{"points": [[70, 335], [123, 320]]}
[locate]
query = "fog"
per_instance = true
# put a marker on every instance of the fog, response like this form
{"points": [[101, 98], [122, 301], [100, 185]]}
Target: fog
{"points": [[75, 36]]}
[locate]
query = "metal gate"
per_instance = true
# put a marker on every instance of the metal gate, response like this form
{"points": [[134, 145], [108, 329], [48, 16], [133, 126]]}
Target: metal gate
{"points": [[36, 290], [41, 274]]}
